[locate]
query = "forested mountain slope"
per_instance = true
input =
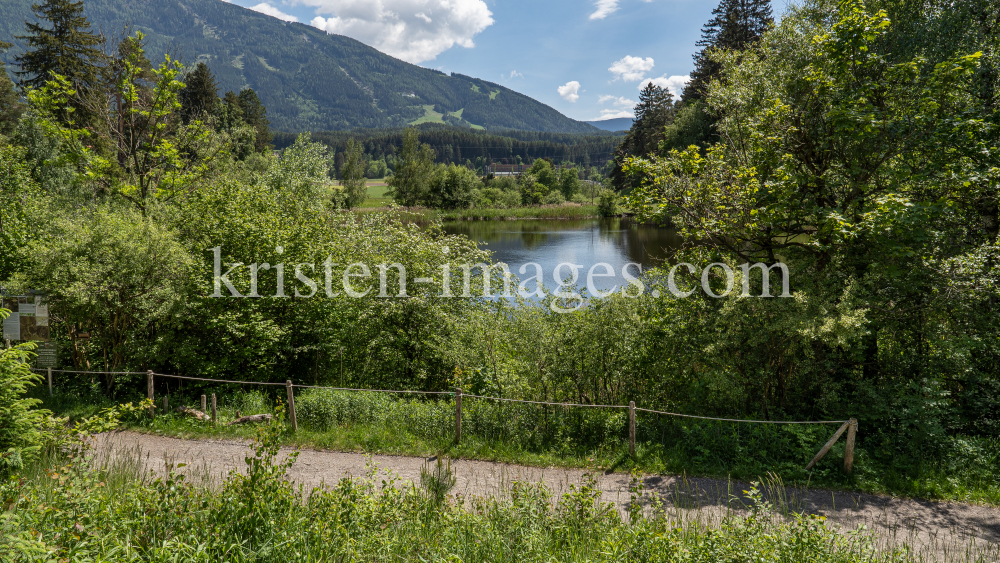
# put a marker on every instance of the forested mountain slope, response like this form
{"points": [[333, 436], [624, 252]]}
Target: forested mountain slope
{"points": [[307, 79]]}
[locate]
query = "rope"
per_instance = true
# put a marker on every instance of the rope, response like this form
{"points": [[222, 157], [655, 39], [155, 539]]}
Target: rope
{"points": [[217, 380], [546, 403], [373, 390], [741, 420], [452, 393], [93, 372]]}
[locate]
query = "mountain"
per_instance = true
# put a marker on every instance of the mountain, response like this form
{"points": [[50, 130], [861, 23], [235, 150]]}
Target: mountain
{"points": [[308, 79], [615, 124]]}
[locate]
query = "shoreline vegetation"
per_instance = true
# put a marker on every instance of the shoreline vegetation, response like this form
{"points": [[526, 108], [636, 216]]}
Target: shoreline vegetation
{"points": [[565, 211]]}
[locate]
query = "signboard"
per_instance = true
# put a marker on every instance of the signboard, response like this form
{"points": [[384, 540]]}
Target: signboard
{"points": [[48, 355], [28, 320]]}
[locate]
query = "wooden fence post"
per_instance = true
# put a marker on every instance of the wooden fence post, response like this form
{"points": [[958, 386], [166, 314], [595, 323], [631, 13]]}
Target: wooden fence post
{"points": [[826, 447], [631, 428], [291, 405], [166, 403], [50, 381], [458, 416], [215, 419], [849, 450], [204, 405], [149, 391]]}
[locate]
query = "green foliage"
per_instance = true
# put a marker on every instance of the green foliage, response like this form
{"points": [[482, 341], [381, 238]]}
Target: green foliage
{"points": [[16, 191], [438, 480], [199, 94], [452, 187], [735, 26], [21, 435], [409, 182], [352, 178], [609, 203], [68, 48]]}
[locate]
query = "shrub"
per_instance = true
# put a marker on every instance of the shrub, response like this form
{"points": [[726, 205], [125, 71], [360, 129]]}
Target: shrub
{"points": [[554, 198], [21, 435], [608, 203]]}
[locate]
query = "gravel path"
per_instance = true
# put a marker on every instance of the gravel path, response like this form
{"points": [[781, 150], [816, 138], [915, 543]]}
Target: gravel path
{"points": [[939, 531]]}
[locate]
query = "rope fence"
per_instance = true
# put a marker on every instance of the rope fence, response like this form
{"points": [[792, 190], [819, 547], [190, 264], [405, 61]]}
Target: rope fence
{"points": [[850, 425]]}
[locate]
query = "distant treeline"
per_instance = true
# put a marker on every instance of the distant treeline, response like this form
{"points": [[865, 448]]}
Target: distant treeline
{"points": [[458, 145]]}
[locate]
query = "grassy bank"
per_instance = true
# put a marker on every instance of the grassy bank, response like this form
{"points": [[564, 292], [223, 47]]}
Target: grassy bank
{"points": [[589, 438], [61, 511], [563, 211]]}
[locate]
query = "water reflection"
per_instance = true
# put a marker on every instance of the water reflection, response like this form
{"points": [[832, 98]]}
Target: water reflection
{"points": [[584, 242]]}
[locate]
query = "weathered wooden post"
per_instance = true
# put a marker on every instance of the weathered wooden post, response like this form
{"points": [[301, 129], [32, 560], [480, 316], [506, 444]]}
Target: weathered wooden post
{"points": [[291, 405], [631, 428], [849, 450], [166, 403], [341, 367], [458, 416], [215, 419], [204, 404], [50, 381], [149, 391], [826, 447]]}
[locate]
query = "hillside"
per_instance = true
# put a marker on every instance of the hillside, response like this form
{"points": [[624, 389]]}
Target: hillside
{"points": [[615, 124], [309, 80]]}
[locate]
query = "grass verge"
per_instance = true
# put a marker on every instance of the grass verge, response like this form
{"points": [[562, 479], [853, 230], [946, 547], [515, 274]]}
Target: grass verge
{"points": [[72, 510]]}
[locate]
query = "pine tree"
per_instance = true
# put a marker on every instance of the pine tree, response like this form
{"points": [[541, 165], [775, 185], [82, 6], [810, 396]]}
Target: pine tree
{"points": [[68, 48], [735, 25], [200, 93], [255, 114], [654, 111], [10, 103]]}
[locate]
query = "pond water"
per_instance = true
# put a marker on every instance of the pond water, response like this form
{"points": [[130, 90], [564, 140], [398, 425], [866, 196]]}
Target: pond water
{"points": [[584, 243]]}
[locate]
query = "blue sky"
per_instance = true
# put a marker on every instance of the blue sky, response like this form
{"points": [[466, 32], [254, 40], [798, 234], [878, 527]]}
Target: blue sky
{"points": [[588, 59]]}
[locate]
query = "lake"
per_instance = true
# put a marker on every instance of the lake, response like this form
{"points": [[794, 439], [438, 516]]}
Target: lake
{"points": [[586, 242]]}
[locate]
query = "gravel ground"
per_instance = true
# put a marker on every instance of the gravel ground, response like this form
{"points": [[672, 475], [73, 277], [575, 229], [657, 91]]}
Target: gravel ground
{"points": [[939, 531]]}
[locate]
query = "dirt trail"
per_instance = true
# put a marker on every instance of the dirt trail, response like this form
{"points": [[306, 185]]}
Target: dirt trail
{"points": [[936, 530]]}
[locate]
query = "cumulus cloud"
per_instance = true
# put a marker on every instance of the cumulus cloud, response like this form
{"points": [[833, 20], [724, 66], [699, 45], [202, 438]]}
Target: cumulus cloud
{"points": [[268, 9], [570, 91], [631, 68], [512, 74], [673, 83], [622, 107], [412, 30]]}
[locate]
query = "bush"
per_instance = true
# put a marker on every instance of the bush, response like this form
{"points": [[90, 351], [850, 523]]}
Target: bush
{"points": [[608, 203], [554, 198], [21, 435]]}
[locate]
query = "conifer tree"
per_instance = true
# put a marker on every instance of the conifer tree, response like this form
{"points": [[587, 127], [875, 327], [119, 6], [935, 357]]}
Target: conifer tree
{"points": [[200, 93], [255, 114], [67, 48], [654, 111], [735, 25]]}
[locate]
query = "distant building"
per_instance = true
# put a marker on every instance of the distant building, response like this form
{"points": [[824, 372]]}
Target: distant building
{"points": [[507, 169]]}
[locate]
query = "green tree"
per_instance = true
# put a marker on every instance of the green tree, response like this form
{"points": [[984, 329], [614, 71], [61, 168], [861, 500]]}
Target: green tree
{"points": [[16, 191], [10, 103], [354, 189], [735, 25], [452, 187], [200, 93], [255, 115], [569, 182], [409, 183], [653, 113], [67, 48]]}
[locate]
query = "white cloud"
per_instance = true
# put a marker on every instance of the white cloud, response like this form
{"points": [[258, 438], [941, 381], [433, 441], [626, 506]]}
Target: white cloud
{"points": [[570, 91], [613, 113], [412, 30], [619, 101], [631, 68], [604, 9], [268, 9], [673, 83], [513, 74]]}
